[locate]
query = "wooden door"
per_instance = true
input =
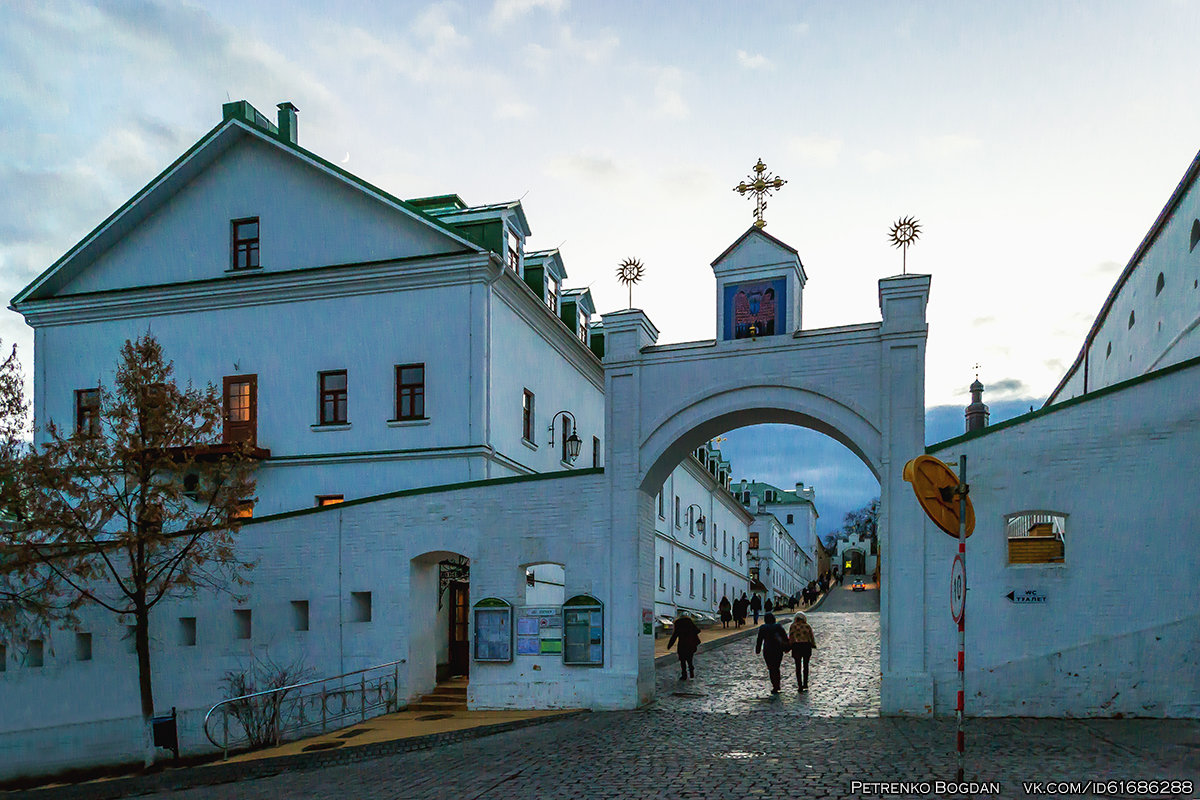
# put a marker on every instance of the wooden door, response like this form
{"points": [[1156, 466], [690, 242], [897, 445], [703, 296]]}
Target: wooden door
{"points": [[460, 652], [241, 409]]}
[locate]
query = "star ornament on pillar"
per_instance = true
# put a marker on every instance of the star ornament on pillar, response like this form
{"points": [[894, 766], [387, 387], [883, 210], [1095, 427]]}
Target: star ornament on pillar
{"points": [[629, 272], [906, 231], [761, 184]]}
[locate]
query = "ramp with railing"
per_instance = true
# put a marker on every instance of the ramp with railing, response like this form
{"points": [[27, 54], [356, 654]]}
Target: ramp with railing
{"points": [[274, 716]]}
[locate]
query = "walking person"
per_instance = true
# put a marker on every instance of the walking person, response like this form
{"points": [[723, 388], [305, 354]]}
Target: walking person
{"points": [[801, 637], [756, 606], [740, 607], [772, 642], [688, 634], [726, 611], [768, 607]]}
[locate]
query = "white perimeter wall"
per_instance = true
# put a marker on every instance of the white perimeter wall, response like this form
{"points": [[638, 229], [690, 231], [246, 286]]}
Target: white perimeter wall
{"points": [[73, 714], [1118, 631]]}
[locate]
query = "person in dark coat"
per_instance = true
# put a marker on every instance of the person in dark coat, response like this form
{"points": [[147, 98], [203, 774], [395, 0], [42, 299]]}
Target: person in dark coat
{"points": [[756, 606], [688, 634], [725, 609], [768, 607], [740, 607], [772, 642], [803, 641]]}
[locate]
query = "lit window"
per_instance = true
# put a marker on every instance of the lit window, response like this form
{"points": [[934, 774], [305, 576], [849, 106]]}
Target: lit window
{"points": [[244, 509], [245, 243], [410, 391], [333, 397], [87, 411], [329, 499]]}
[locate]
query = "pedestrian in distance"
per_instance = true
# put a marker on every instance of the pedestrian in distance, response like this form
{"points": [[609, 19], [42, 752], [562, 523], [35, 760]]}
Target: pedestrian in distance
{"points": [[801, 637], [768, 607], [725, 609], [688, 634], [772, 642], [756, 606], [740, 607]]}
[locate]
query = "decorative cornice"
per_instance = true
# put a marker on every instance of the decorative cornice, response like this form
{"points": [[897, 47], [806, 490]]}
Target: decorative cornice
{"points": [[259, 288]]}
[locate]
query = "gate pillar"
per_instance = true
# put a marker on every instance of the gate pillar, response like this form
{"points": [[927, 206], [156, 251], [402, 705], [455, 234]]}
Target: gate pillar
{"points": [[907, 686]]}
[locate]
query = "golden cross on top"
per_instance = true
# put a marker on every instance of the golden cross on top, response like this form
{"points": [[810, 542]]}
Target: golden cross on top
{"points": [[761, 184]]}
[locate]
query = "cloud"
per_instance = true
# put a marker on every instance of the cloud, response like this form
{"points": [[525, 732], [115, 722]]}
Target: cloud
{"points": [[505, 11], [817, 151], [1004, 386], [584, 166], [513, 109], [593, 50], [668, 96], [752, 61], [800, 29], [1107, 268]]}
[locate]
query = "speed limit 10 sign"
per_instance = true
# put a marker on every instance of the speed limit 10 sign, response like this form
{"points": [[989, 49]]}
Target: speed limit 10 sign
{"points": [[958, 588]]}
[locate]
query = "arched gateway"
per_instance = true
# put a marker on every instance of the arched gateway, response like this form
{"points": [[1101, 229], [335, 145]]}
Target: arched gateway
{"points": [[863, 385]]}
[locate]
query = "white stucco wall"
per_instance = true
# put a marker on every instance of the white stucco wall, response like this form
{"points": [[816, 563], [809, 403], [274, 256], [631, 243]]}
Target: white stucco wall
{"points": [[1117, 633], [73, 714]]}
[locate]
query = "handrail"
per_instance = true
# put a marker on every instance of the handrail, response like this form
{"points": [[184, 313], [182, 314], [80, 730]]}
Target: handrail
{"points": [[383, 689]]}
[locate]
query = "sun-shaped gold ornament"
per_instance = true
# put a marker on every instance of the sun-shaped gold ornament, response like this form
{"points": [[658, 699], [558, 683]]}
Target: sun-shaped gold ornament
{"points": [[629, 272], [906, 231]]}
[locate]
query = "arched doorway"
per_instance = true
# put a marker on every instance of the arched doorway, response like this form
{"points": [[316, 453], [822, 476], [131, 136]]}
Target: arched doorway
{"points": [[862, 385], [854, 562], [439, 619]]}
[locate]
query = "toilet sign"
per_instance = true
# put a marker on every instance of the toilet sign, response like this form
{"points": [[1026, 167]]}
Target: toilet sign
{"points": [[958, 588]]}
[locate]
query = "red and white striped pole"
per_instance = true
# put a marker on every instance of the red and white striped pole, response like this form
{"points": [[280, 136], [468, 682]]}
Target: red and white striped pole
{"points": [[962, 638]]}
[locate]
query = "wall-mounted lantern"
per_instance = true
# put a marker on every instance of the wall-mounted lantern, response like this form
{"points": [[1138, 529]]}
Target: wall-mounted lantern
{"points": [[699, 520], [573, 442]]}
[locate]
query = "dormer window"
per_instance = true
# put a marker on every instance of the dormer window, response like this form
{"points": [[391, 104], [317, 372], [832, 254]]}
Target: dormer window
{"points": [[552, 294], [514, 251], [245, 243]]}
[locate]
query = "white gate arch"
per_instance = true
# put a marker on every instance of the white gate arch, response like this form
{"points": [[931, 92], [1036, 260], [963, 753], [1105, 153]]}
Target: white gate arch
{"points": [[863, 385]]}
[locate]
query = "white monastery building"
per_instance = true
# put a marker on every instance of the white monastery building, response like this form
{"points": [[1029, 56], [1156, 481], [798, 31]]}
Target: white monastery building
{"points": [[463, 472]]}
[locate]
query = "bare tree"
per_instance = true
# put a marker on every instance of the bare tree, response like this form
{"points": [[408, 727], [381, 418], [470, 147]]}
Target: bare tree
{"points": [[138, 502]]}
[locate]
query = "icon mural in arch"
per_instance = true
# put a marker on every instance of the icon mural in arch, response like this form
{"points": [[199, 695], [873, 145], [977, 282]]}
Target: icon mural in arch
{"points": [[761, 305]]}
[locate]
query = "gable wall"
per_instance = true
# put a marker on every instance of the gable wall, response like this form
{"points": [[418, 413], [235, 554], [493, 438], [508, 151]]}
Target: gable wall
{"points": [[307, 219]]}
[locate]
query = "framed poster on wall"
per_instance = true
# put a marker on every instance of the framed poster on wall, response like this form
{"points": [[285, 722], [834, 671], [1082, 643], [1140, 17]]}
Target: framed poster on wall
{"points": [[493, 630], [539, 630], [583, 631]]}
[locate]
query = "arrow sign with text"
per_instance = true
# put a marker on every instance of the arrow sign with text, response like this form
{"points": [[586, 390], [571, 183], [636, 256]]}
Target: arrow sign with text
{"points": [[1027, 596]]}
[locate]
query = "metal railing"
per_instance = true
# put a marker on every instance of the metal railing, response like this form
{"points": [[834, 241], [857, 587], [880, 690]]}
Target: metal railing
{"points": [[272, 716]]}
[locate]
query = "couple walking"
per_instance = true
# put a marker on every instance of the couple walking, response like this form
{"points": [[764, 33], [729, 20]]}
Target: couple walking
{"points": [[773, 641]]}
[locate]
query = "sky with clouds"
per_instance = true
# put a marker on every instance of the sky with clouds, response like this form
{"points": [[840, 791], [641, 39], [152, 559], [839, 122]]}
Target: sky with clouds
{"points": [[1036, 142]]}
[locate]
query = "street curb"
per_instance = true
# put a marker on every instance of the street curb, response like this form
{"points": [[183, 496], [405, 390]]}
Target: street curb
{"points": [[218, 773]]}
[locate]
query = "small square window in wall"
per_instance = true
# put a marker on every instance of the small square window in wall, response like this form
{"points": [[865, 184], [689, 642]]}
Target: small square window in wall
{"points": [[299, 615], [1036, 537], [360, 606], [83, 647], [87, 411], [35, 654], [187, 631], [241, 623], [245, 243]]}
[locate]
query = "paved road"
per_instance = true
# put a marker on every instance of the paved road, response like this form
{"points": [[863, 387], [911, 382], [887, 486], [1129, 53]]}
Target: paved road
{"points": [[842, 598], [724, 736]]}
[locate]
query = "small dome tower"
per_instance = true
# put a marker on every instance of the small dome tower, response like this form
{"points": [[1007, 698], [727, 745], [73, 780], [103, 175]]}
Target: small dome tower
{"points": [[977, 413]]}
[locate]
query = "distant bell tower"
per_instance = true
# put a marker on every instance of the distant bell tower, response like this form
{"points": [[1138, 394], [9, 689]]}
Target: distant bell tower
{"points": [[977, 413]]}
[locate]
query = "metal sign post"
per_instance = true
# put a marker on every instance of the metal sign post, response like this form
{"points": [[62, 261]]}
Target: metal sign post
{"points": [[937, 488], [962, 491]]}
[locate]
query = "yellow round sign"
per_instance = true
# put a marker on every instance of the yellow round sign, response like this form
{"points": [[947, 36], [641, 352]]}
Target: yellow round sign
{"points": [[934, 483]]}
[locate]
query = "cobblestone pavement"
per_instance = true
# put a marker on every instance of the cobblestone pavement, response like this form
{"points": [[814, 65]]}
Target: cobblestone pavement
{"points": [[736, 741], [843, 675]]}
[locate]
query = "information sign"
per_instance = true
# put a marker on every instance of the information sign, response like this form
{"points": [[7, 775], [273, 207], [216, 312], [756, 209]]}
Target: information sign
{"points": [[583, 643], [958, 588], [1027, 596], [493, 630], [539, 630]]}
